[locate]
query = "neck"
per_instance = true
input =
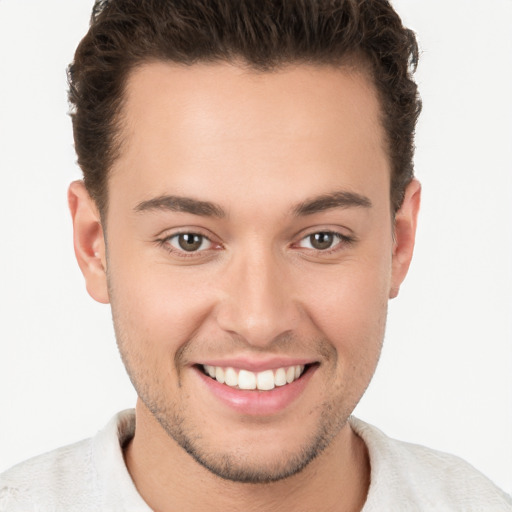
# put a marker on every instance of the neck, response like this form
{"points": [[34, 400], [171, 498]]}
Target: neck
{"points": [[170, 479]]}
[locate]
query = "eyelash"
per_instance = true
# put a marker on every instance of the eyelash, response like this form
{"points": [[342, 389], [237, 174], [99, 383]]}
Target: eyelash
{"points": [[339, 240], [165, 243]]}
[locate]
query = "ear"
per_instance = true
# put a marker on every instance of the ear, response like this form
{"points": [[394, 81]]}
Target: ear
{"points": [[88, 241], [405, 234]]}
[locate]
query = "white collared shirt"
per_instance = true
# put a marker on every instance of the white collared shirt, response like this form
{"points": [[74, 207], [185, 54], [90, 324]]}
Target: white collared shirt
{"points": [[91, 476]]}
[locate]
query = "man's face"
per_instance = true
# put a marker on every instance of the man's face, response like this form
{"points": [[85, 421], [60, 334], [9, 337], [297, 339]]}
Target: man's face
{"points": [[248, 233]]}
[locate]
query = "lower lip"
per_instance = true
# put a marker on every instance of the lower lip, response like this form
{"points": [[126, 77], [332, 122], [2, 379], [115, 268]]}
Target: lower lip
{"points": [[258, 403]]}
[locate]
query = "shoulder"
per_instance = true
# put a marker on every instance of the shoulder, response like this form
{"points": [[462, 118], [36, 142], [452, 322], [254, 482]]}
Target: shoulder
{"points": [[38, 480], [88, 475], [407, 476]]}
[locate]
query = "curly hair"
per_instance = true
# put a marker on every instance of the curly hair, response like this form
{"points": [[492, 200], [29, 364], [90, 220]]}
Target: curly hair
{"points": [[264, 35]]}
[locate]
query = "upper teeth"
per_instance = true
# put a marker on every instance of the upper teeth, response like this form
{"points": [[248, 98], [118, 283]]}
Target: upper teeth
{"points": [[244, 379]]}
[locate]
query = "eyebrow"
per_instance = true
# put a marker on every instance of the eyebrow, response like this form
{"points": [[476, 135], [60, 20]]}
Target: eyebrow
{"points": [[182, 204], [341, 199]]}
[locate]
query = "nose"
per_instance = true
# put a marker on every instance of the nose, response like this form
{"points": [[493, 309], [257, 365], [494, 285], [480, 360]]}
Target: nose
{"points": [[258, 302]]}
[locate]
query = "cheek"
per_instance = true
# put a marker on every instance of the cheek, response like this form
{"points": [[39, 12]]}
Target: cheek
{"points": [[352, 317], [349, 307], [156, 305]]}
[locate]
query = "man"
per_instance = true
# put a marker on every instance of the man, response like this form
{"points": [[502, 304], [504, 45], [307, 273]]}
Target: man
{"points": [[248, 208]]}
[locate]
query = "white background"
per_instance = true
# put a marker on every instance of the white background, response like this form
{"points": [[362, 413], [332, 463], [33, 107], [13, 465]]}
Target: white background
{"points": [[445, 377]]}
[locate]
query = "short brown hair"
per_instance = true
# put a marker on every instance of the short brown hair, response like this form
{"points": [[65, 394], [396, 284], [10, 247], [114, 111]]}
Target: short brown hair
{"points": [[264, 35]]}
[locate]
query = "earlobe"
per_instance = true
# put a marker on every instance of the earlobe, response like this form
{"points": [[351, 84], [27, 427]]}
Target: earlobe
{"points": [[405, 234], [88, 241]]}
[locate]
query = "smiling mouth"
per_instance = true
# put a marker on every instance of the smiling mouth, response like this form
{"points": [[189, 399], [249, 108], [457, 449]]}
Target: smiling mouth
{"points": [[261, 381]]}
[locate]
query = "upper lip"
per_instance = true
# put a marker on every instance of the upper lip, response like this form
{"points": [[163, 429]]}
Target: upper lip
{"points": [[257, 365]]}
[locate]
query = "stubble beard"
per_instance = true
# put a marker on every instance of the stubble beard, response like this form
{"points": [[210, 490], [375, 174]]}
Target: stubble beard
{"points": [[332, 416], [235, 466]]}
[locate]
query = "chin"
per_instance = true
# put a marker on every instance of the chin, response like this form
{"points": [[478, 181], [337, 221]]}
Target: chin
{"points": [[250, 468], [261, 454]]}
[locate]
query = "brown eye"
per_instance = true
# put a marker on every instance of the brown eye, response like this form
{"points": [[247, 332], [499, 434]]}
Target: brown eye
{"points": [[189, 242], [321, 241]]}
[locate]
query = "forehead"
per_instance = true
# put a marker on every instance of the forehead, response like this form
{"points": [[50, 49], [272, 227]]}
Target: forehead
{"points": [[191, 128]]}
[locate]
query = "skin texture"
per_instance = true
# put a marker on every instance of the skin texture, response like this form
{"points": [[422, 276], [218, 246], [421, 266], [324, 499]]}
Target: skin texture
{"points": [[257, 146]]}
